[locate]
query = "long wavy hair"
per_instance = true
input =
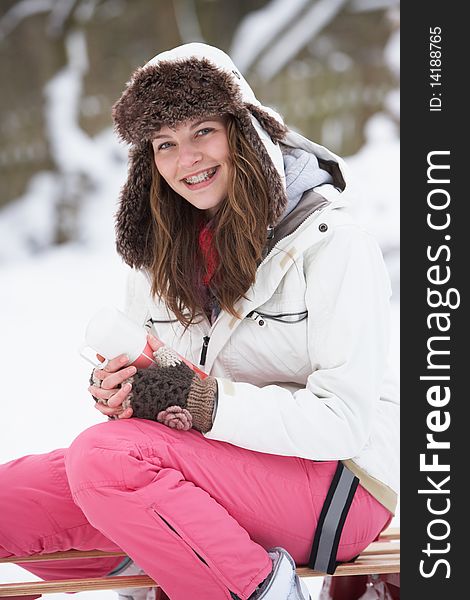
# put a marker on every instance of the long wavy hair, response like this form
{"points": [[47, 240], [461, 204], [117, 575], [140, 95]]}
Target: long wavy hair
{"points": [[239, 236]]}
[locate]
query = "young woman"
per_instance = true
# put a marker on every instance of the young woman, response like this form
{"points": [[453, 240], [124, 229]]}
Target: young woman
{"points": [[246, 261]]}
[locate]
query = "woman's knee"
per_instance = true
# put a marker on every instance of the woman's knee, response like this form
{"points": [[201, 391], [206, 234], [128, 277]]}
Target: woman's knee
{"points": [[113, 453], [89, 457], [95, 436]]}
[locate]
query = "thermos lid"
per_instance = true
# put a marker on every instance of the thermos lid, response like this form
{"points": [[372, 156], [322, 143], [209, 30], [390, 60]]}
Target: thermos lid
{"points": [[110, 332]]}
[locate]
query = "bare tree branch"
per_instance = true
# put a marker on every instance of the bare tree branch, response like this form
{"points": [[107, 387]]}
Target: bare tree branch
{"points": [[299, 35], [261, 27], [58, 16], [21, 11], [187, 21], [367, 5]]}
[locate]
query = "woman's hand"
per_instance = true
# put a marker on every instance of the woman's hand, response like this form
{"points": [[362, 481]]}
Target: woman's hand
{"points": [[171, 393], [113, 391]]}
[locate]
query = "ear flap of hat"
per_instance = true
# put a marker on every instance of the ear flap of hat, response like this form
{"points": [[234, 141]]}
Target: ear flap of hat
{"points": [[275, 131], [133, 218]]}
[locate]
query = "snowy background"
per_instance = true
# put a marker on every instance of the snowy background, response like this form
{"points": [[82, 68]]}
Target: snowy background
{"points": [[47, 297]]}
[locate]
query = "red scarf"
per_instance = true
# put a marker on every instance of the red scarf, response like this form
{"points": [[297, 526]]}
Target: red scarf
{"points": [[209, 252]]}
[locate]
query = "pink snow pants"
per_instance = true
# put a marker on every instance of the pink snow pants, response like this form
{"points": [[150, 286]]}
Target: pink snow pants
{"points": [[196, 514]]}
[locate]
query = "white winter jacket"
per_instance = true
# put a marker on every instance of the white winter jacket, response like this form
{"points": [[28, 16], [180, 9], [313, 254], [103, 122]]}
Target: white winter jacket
{"points": [[303, 373]]}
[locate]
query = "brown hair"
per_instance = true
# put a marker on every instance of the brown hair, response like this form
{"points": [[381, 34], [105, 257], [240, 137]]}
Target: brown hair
{"points": [[239, 236]]}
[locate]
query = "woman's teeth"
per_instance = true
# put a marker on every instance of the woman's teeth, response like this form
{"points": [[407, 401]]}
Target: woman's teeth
{"points": [[201, 177]]}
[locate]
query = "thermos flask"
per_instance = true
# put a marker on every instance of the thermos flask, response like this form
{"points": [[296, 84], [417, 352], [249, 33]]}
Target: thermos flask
{"points": [[110, 333]]}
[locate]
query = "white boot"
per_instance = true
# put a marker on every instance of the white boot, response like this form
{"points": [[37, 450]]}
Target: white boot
{"points": [[283, 583], [134, 593]]}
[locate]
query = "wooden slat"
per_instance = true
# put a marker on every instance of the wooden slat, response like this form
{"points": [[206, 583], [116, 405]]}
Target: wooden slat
{"points": [[75, 585], [374, 548], [382, 548], [359, 567], [362, 566], [62, 556], [392, 533]]}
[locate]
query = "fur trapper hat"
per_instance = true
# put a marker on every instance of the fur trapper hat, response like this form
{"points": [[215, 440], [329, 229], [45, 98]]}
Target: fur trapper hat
{"points": [[191, 81]]}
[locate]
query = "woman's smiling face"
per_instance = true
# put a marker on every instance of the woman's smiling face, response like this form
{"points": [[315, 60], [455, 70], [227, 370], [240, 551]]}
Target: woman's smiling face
{"points": [[194, 160]]}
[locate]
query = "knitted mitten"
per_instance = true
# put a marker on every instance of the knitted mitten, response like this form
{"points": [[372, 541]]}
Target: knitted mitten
{"points": [[171, 393]]}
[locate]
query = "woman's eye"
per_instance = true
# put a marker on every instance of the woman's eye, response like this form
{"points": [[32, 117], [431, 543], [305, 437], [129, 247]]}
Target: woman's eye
{"points": [[164, 146], [204, 131]]}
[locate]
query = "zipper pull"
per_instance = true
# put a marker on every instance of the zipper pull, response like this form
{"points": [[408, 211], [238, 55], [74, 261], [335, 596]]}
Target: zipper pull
{"points": [[205, 344], [257, 318]]}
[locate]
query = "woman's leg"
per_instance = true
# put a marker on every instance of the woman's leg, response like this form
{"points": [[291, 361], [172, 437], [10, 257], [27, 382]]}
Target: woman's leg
{"points": [[38, 515], [196, 514]]}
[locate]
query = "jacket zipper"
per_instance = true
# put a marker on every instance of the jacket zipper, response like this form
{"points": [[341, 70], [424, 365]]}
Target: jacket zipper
{"points": [[205, 345], [205, 340], [153, 321], [259, 317]]}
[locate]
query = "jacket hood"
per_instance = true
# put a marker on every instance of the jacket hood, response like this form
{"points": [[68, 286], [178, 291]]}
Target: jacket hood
{"points": [[309, 169], [327, 160], [303, 173], [191, 81]]}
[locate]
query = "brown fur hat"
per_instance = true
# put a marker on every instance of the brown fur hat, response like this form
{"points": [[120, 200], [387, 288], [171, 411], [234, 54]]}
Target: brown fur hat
{"points": [[192, 81]]}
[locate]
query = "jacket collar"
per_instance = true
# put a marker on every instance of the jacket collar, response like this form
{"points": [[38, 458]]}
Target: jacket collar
{"points": [[311, 202], [316, 166]]}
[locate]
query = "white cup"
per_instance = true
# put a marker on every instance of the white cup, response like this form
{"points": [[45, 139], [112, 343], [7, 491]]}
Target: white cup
{"points": [[110, 333]]}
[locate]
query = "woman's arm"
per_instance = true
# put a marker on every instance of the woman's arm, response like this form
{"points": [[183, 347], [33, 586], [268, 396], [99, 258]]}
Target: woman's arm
{"points": [[347, 298]]}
